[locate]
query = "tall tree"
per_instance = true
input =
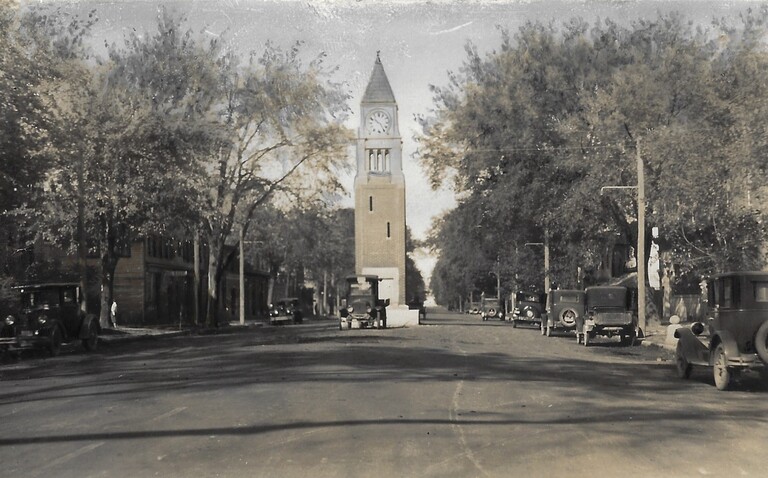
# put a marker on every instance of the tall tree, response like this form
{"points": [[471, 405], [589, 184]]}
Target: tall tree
{"points": [[280, 127]]}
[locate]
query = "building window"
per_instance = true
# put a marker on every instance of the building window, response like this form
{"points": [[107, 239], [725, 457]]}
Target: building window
{"points": [[389, 231], [378, 160], [370, 203]]}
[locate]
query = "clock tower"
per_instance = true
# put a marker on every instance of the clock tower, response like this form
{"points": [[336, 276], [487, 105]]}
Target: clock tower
{"points": [[380, 189]]}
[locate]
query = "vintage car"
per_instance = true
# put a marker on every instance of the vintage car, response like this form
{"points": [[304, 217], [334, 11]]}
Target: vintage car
{"points": [[491, 308], [529, 307], [473, 308], [363, 307], [566, 310], [735, 336], [611, 310], [49, 315], [286, 311]]}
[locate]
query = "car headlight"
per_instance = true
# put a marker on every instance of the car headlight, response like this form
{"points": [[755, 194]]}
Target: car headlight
{"points": [[42, 319], [10, 320], [350, 309]]}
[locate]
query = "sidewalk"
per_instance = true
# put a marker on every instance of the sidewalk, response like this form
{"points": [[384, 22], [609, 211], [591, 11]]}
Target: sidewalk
{"points": [[129, 333], [656, 336]]}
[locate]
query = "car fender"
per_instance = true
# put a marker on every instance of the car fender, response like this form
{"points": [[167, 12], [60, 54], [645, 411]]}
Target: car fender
{"points": [[85, 326], [730, 345], [691, 347]]}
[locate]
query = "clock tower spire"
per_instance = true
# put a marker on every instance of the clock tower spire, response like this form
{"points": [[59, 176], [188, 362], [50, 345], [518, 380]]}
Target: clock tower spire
{"points": [[380, 189]]}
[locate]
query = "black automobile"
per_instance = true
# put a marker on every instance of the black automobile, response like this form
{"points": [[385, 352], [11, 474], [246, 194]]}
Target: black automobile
{"points": [[529, 307], [287, 310], [491, 308], [735, 337], [611, 310], [48, 316], [566, 310]]}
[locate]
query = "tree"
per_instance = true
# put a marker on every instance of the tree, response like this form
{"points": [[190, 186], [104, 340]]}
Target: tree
{"points": [[279, 127], [530, 133]]}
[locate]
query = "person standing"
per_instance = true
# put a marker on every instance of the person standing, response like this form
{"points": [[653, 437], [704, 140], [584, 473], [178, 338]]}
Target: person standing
{"points": [[113, 312]]}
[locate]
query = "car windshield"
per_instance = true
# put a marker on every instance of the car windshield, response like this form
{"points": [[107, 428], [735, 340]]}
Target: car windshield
{"points": [[526, 297], [37, 298], [572, 298], [607, 297]]}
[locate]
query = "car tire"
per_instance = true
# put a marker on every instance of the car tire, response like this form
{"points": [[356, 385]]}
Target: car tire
{"points": [[720, 371], [91, 342], [54, 342], [549, 331], [684, 368], [761, 342]]}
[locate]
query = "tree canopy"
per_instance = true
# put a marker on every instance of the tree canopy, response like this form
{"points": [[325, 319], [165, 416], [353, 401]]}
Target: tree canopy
{"points": [[529, 133]]}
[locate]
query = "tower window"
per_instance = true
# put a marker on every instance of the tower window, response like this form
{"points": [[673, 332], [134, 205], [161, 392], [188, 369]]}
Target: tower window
{"points": [[379, 160], [389, 230], [370, 203]]}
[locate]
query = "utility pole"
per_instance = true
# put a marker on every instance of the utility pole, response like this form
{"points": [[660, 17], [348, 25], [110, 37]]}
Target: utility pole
{"points": [[242, 277], [547, 282], [640, 253], [196, 279]]}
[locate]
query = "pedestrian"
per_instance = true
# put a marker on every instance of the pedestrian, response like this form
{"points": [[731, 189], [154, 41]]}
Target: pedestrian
{"points": [[113, 311]]}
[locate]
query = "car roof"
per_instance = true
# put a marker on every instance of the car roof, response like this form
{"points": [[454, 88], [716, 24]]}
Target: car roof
{"points": [[740, 274], [47, 285]]}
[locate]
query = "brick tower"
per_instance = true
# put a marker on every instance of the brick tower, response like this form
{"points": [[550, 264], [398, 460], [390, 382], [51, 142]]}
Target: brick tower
{"points": [[380, 189]]}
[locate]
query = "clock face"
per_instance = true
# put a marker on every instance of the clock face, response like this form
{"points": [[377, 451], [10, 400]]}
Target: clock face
{"points": [[378, 122]]}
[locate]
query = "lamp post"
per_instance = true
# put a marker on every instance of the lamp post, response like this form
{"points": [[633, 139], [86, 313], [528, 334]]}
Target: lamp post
{"points": [[546, 259], [497, 272], [640, 252], [242, 274]]}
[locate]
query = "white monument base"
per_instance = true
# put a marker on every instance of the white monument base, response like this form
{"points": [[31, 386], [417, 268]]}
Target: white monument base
{"points": [[401, 316]]}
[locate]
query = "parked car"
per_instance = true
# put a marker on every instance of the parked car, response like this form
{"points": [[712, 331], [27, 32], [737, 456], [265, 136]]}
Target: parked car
{"points": [[473, 308], [363, 307], [491, 308], [48, 316], [611, 310], [418, 304], [735, 337], [529, 307], [287, 310], [566, 310]]}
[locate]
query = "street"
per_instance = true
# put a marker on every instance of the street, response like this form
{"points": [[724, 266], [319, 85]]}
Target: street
{"points": [[455, 397]]}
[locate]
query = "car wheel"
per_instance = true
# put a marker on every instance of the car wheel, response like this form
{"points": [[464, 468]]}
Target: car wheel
{"points": [[54, 344], [720, 371], [549, 331], [92, 341], [761, 342], [683, 367]]}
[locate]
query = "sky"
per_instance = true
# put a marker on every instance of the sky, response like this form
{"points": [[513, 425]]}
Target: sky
{"points": [[419, 41]]}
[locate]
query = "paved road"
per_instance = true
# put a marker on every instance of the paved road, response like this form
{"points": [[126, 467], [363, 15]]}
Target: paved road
{"points": [[456, 397]]}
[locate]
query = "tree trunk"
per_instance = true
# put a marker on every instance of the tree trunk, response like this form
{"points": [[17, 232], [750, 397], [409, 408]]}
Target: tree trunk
{"points": [[108, 266], [214, 274]]}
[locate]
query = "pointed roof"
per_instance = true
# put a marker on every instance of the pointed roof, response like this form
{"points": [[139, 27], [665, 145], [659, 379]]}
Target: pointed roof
{"points": [[378, 90]]}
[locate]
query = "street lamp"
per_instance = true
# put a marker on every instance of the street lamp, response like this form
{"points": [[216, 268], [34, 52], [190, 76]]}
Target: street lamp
{"points": [[546, 259], [640, 252], [242, 274], [496, 271]]}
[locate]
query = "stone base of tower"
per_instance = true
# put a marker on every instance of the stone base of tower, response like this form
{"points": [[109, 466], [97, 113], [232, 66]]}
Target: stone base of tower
{"points": [[402, 317]]}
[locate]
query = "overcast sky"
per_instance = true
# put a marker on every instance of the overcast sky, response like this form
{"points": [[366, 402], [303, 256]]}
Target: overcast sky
{"points": [[419, 43]]}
